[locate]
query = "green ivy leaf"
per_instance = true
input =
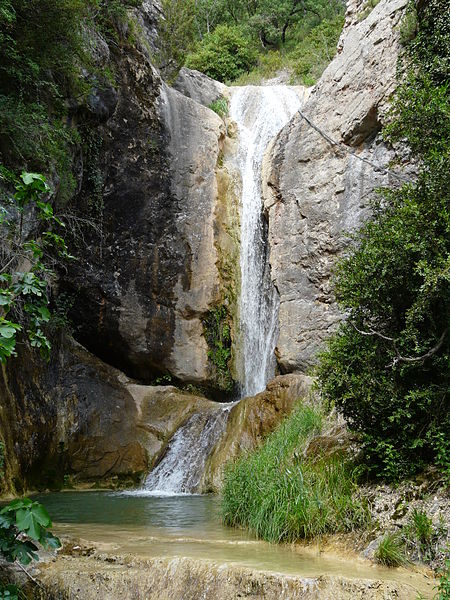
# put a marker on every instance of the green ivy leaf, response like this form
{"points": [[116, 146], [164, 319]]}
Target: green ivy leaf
{"points": [[44, 313], [8, 329]]}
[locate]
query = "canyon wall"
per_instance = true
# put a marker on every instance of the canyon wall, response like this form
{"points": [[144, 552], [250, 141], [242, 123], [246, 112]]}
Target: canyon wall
{"points": [[155, 181], [315, 190]]}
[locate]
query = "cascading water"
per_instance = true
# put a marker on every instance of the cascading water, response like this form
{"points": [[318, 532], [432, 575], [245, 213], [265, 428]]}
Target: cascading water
{"points": [[260, 113], [183, 465]]}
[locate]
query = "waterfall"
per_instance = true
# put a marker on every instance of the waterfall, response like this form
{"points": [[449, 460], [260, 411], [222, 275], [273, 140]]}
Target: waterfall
{"points": [[182, 467], [260, 114]]}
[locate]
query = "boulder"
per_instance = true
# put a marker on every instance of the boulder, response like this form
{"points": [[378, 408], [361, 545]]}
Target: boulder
{"points": [[199, 86]]}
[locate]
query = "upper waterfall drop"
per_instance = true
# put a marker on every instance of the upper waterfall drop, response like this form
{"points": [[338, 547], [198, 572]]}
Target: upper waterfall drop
{"points": [[260, 113]]}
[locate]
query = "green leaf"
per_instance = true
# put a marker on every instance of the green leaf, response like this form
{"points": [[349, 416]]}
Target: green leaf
{"points": [[44, 313], [33, 178], [31, 518], [50, 541], [6, 298], [6, 521], [8, 329]]}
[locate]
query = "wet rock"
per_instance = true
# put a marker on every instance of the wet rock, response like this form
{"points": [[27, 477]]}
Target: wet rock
{"points": [[336, 441], [79, 421]]}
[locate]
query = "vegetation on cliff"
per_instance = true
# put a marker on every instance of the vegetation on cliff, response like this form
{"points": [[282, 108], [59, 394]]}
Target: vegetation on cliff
{"points": [[31, 247], [47, 68], [387, 368], [248, 41]]}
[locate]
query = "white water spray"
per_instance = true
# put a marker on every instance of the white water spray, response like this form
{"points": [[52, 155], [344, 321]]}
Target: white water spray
{"points": [[260, 114]]}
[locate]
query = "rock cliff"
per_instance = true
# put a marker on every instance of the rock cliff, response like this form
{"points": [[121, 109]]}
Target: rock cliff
{"points": [[147, 274], [315, 191], [156, 180]]}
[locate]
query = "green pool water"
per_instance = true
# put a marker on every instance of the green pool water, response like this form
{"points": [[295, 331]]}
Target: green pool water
{"points": [[150, 526]]}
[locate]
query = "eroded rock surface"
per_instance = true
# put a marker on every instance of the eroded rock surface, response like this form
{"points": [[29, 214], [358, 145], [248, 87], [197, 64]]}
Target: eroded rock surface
{"points": [[191, 579], [81, 419], [147, 271], [316, 191]]}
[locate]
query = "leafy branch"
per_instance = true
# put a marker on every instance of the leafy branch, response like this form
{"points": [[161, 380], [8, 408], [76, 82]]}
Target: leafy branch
{"points": [[31, 246]]}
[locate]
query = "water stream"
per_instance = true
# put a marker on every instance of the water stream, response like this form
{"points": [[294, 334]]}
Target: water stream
{"points": [[260, 114], [181, 469]]}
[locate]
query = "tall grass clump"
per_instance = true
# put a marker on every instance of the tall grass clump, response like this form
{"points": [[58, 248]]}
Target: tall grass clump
{"points": [[391, 551], [281, 496]]}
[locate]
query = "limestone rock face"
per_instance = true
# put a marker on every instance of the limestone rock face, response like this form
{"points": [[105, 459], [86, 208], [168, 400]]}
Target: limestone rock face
{"points": [[195, 134], [316, 191], [81, 418], [199, 87], [147, 272]]}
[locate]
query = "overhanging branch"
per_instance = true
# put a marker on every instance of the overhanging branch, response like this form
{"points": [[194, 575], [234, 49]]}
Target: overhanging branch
{"points": [[399, 358]]}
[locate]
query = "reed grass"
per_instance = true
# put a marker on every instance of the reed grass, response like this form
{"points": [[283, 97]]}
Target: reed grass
{"points": [[281, 496], [391, 551]]}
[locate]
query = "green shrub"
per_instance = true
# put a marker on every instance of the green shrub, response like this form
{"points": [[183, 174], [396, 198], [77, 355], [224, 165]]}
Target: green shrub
{"points": [[22, 523], [281, 497], [391, 551], [316, 50], [387, 367], [216, 327], [224, 54]]}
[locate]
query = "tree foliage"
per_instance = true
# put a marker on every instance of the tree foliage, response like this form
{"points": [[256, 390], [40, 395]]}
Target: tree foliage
{"points": [[192, 31], [388, 367], [46, 65], [224, 54]]}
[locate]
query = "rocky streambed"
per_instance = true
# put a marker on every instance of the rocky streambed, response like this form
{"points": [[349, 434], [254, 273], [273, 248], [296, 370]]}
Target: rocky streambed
{"points": [[106, 577]]}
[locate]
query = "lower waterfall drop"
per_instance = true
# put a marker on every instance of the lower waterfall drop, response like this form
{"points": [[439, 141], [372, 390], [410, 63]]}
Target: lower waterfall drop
{"points": [[260, 114], [182, 467]]}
